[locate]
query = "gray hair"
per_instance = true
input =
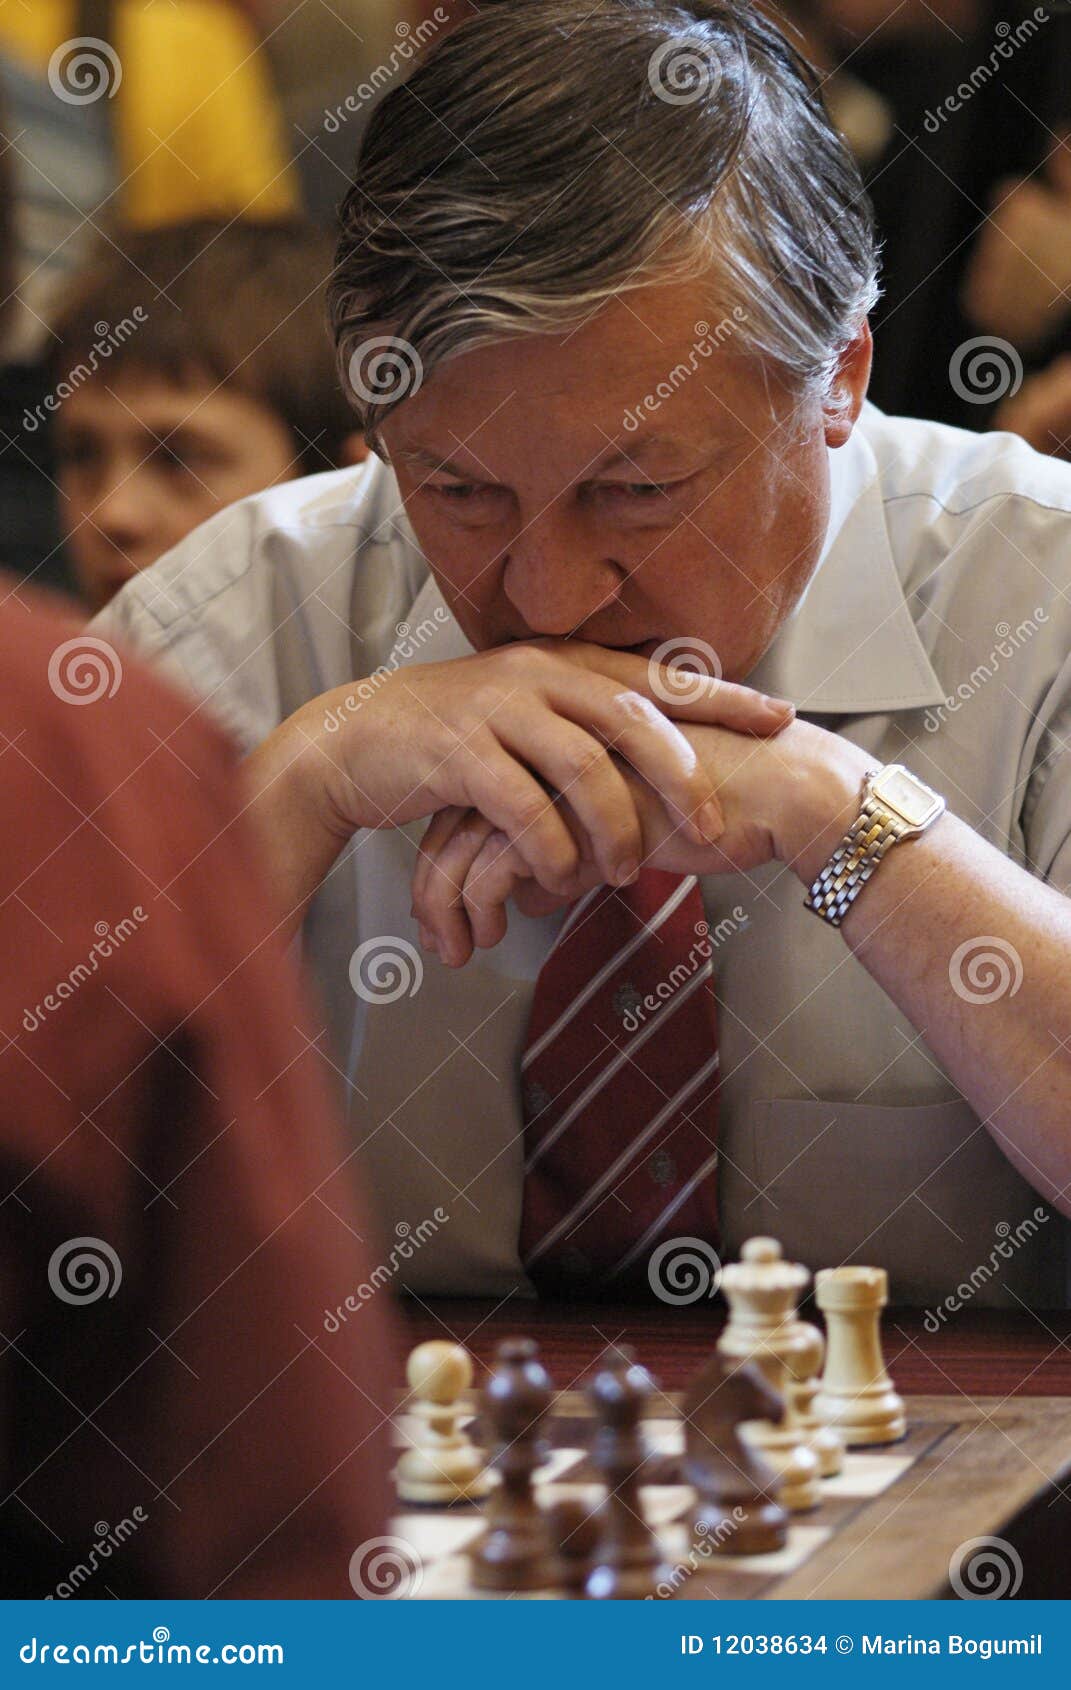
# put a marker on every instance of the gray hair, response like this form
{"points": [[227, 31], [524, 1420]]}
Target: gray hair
{"points": [[546, 157]]}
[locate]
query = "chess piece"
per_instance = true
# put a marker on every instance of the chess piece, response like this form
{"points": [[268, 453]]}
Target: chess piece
{"points": [[762, 1290], [574, 1532], [515, 1553], [737, 1511], [627, 1561], [443, 1464], [856, 1394], [805, 1365]]}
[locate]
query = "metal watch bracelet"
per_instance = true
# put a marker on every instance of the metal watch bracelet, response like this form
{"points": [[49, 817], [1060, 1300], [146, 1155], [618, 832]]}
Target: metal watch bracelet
{"points": [[854, 861]]}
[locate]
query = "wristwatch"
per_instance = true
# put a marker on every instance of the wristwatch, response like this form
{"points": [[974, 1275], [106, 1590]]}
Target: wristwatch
{"points": [[896, 805]]}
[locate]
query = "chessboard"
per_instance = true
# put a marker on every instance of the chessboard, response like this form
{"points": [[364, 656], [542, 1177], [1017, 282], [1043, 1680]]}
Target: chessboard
{"points": [[898, 1521]]}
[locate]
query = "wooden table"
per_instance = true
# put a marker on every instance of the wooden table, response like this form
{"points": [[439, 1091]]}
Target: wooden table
{"points": [[982, 1352]]}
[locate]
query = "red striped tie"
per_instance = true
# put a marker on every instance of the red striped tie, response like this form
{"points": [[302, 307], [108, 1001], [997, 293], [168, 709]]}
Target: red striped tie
{"points": [[620, 1088]]}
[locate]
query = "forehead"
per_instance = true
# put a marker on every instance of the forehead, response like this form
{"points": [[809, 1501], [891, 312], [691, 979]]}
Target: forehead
{"points": [[663, 360]]}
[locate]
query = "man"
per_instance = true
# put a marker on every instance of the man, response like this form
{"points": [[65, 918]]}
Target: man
{"points": [[601, 299]]}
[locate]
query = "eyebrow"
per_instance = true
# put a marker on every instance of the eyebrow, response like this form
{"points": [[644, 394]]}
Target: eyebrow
{"points": [[423, 458]]}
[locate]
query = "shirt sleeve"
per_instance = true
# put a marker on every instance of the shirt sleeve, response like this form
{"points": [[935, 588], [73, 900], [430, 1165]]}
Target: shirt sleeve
{"points": [[183, 1263], [1047, 803]]}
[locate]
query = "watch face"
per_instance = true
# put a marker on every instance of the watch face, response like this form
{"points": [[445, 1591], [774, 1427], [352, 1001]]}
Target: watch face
{"points": [[906, 795]]}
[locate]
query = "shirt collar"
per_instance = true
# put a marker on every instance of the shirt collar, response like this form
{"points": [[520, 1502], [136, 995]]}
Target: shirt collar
{"points": [[851, 645]]}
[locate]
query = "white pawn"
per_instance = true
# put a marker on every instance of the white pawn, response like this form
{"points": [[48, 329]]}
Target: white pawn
{"points": [[443, 1464], [857, 1395]]}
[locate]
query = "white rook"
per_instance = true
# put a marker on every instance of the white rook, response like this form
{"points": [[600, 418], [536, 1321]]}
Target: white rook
{"points": [[857, 1396]]}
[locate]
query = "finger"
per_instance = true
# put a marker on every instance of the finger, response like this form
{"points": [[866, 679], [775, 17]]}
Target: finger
{"points": [[493, 877], [441, 909], [586, 778], [636, 729], [691, 694], [439, 829], [508, 794]]}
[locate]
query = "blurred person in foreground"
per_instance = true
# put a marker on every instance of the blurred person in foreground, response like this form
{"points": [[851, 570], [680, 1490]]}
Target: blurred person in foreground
{"points": [[216, 378], [175, 1208]]}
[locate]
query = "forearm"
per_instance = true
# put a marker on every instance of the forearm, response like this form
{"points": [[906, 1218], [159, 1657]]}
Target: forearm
{"points": [[285, 798], [975, 952]]}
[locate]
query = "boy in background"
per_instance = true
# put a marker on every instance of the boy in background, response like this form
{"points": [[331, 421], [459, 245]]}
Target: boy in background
{"points": [[191, 368]]}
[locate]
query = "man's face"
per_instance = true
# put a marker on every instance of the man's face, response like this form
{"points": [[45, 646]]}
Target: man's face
{"points": [[143, 462], [703, 520]]}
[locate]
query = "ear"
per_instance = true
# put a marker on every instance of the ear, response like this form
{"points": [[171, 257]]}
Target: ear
{"points": [[353, 450], [849, 387]]}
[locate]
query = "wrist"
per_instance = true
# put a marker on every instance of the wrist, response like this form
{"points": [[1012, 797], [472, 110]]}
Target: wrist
{"points": [[820, 801]]}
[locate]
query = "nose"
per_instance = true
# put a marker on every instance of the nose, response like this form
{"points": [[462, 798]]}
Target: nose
{"points": [[121, 511], [556, 576]]}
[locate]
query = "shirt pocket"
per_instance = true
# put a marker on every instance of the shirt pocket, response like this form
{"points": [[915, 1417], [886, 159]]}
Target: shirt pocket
{"points": [[922, 1191]]}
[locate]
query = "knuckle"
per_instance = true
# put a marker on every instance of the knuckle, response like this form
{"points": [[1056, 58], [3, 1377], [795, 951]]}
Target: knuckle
{"points": [[581, 759], [633, 710]]}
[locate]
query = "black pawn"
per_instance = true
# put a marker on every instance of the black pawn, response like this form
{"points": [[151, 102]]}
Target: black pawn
{"points": [[627, 1562], [515, 1553]]}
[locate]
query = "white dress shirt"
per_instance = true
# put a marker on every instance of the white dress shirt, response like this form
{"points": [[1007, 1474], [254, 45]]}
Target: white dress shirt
{"points": [[935, 631]]}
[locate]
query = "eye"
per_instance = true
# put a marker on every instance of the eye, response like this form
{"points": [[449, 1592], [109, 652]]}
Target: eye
{"points": [[644, 492]]}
